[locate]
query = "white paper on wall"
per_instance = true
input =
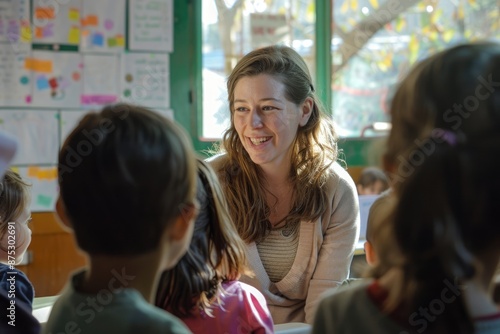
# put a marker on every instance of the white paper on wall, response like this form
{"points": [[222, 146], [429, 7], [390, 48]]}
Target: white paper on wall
{"points": [[37, 133], [69, 120], [100, 79], [15, 78], [57, 78], [44, 186], [151, 25], [103, 26], [57, 23], [146, 79], [15, 26]]}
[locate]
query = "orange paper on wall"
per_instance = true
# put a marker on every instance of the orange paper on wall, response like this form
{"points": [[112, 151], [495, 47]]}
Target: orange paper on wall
{"points": [[38, 65], [39, 32], [33, 172], [47, 174], [90, 20], [45, 13]]}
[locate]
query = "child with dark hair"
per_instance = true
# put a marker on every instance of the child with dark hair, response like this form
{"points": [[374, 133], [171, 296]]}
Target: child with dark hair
{"points": [[202, 289], [436, 267], [372, 181], [127, 180]]}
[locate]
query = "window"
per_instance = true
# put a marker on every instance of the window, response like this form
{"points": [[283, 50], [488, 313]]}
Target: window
{"points": [[362, 84], [373, 44], [243, 26]]}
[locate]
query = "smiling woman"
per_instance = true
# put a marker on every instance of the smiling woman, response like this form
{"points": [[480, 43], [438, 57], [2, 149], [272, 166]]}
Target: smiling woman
{"points": [[292, 203]]}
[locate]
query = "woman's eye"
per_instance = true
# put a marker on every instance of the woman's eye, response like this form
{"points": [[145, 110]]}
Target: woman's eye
{"points": [[240, 109], [267, 108]]}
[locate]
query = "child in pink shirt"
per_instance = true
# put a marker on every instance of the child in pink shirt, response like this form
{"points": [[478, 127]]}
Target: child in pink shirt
{"points": [[202, 289]]}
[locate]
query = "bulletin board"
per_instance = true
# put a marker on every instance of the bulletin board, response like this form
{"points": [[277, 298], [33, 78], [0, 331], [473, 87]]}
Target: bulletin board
{"points": [[59, 61]]}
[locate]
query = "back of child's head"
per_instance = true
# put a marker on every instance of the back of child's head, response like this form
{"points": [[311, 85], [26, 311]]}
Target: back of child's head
{"points": [[372, 181], [14, 201], [447, 113], [378, 213], [125, 174], [216, 253]]}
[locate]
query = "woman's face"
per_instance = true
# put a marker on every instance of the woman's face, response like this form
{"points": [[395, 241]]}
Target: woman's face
{"points": [[17, 233], [266, 122]]}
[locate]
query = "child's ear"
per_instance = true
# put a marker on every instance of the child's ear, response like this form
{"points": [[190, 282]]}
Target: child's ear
{"points": [[183, 223], [371, 257], [61, 214]]}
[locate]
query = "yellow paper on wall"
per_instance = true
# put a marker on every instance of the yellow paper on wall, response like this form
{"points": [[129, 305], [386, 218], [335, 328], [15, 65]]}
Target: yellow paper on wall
{"points": [[25, 34], [74, 14], [74, 35], [120, 40]]}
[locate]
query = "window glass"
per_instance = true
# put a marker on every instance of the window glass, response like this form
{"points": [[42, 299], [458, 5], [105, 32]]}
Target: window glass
{"points": [[232, 28], [365, 73]]}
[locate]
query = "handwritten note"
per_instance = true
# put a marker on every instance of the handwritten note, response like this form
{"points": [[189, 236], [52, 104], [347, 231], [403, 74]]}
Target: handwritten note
{"points": [[15, 23], [146, 80], [151, 25], [15, 78]]}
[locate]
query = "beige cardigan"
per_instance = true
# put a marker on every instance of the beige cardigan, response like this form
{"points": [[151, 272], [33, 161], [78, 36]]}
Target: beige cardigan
{"points": [[323, 257]]}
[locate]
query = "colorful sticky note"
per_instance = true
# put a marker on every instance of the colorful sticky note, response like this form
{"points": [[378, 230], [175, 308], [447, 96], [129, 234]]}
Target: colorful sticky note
{"points": [[111, 42], [43, 200], [90, 20], [97, 39], [42, 82], [38, 65], [25, 34], [39, 32], [120, 40], [47, 173], [48, 30], [74, 35], [108, 24], [74, 14], [53, 83], [45, 13], [33, 172]]}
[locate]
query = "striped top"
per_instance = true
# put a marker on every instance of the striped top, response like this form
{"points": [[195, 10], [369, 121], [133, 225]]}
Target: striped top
{"points": [[278, 249]]}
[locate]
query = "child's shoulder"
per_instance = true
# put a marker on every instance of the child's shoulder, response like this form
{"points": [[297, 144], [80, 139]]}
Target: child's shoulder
{"points": [[108, 311]]}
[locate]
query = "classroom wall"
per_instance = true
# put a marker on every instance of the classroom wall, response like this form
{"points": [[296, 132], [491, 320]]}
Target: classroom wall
{"points": [[57, 62]]}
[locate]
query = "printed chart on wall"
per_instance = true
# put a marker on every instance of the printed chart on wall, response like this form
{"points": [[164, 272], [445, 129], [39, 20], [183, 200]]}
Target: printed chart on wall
{"points": [[15, 23], [44, 186], [56, 78], [103, 26], [56, 24], [37, 132], [146, 79], [150, 25]]}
